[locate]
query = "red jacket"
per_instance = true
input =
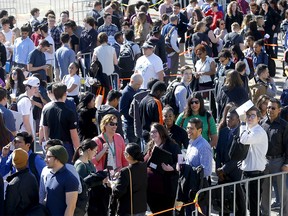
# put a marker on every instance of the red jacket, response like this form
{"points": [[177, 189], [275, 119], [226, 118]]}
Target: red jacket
{"points": [[216, 15]]}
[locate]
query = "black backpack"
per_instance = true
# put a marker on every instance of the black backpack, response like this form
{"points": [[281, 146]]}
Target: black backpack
{"points": [[13, 105], [271, 66], [231, 41], [169, 97], [126, 57]]}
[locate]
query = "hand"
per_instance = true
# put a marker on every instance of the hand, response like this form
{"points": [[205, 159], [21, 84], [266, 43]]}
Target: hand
{"points": [[106, 180], [284, 168], [106, 147], [6, 149], [243, 117], [45, 67], [273, 27], [220, 174], [167, 167]]}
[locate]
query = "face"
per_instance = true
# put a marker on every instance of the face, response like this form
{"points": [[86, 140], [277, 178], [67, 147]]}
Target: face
{"points": [[64, 17], [44, 48], [121, 39], [200, 54], [111, 126], [51, 22], [37, 14], [264, 106], [257, 48], [195, 105], [50, 160], [250, 42], [192, 131], [187, 75], [176, 10], [223, 60], [168, 118], [5, 26], [147, 51], [92, 153], [234, 7], [253, 9], [264, 6], [125, 28], [232, 120], [14, 75], [20, 143], [108, 20], [265, 74], [91, 104], [154, 134], [251, 118], [273, 110], [68, 29], [24, 34], [33, 90], [222, 24], [72, 69]]}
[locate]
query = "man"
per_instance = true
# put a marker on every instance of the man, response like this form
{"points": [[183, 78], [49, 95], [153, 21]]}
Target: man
{"points": [[277, 154], [49, 53], [22, 189], [64, 56], [234, 37], [37, 59], [54, 31], [259, 56], [262, 84], [22, 47], [149, 65], [110, 107], [216, 14], [119, 40], [95, 12], [35, 13], [23, 141], [64, 17], [62, 186], [6, 113], [129, 38], [170, 31], [199, 153], [227, 169], [24, 105], [74, 40], [127, 97], [181, 29], [60, 122], [115, 19], [254, 9], [254, 135], [183, 90], [240, 67], [151, 107], [109, 28]]}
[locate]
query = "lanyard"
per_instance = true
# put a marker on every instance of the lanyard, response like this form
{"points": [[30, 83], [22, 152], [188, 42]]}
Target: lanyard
{"points": [[112, 151]]}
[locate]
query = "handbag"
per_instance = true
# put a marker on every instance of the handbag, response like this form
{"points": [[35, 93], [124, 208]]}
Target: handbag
{"points": [[238, 151], [131, 198]]}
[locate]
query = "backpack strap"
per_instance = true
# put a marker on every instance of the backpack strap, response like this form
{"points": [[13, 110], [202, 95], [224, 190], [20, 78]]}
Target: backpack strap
{"points": [[208, 122], [106, 159], [32, 166]]}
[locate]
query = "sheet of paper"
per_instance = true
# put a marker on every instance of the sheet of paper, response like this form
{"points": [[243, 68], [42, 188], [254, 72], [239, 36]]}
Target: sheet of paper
{"points": [[244, 107]]}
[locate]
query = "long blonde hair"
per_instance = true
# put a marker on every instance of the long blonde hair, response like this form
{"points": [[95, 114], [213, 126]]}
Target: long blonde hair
{"points": [[140, 22]]}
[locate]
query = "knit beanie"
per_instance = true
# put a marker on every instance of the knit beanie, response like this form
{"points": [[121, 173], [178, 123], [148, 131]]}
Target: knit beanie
{"points": [[19, 158], [60, 153]]}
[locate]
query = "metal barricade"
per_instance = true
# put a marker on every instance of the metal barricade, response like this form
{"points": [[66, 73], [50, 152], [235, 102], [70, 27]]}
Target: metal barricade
{"points": [[59, 6], [85, 60], [244, 183], [80, 9]]}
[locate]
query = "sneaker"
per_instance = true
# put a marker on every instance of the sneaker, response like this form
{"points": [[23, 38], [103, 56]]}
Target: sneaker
{"points": [[275, 206]]}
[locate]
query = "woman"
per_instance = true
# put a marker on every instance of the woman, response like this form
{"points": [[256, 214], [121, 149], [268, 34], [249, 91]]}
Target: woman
{"points": [[86, 110], [252, 31], [199, 37], [262, 104], [176, 133], [212, 37], [162, 184], [220, 32], [245, 24], [233, 15], [232, 91], [5, 135], [238, 55], [72, 81], [225, 63], [122, 190], [196, 109], [7, 45], [15, 83], [142, 28], [106, 54]]}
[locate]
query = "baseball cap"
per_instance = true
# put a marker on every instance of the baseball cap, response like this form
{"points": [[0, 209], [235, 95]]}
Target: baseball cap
{"points": [[147, 44], [32, 81]]}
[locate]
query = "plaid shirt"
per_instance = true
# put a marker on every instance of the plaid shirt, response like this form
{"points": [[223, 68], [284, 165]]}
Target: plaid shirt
{"points": [[55, 34], [109, 29]]}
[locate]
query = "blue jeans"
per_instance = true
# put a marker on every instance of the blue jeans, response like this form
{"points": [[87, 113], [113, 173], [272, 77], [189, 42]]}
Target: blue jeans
{"points": [[129, 132]]}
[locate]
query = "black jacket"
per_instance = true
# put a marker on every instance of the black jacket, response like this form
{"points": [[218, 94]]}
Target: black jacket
{"points": [[182, 27], [21, 193]]}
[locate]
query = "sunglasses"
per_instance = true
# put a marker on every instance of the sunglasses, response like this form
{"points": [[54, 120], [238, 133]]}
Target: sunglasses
{"points": [[272, 108], [252, 116], [195, 102], [113, 124], [222, 23]]}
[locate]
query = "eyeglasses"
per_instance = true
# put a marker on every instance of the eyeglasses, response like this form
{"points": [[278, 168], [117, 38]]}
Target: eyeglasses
{"points": [[270, 107], [153, 132], [252, 116], [113, 124], [195, 102], [49, 156]]}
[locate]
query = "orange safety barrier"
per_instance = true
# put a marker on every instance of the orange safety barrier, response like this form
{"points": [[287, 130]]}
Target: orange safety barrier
{"points": [[195, 201], [273, 45], [276, 59]]}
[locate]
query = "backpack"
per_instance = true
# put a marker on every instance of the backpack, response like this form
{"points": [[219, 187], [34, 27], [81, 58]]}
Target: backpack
{"points": [[126, 57], [82, 200], [271, 66], [167, 39], [96, 71], [251, 67], [230, 40], [284, 98], [169, 97], [13, 105]]}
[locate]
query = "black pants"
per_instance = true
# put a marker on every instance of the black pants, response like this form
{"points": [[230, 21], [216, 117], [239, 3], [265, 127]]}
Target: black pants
{"points": [[253, 191], [160, 202]]}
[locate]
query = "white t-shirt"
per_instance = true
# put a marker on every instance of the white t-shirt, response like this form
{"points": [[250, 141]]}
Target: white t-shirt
{"points": [[204, 67], [105, 55], [8, 35], [69, 81], [149, 67], [50, 57], [24, 107]]}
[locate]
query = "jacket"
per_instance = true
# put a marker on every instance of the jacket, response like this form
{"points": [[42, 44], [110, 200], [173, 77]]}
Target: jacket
{"points": [[258, 88], [119, 150], [21, 193]]}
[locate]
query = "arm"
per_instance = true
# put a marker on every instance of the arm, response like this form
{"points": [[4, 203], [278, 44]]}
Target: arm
{"points": [[214, 139], [46, 133], [173, 40], [180, 96], [26, 124], [161, 75], [212, 37], [115, 60], [75, 138], [74, 86], [71, 199], [31, 68]]}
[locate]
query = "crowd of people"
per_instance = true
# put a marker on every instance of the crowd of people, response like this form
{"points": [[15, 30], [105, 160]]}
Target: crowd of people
{"points": [[117, 151]]}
